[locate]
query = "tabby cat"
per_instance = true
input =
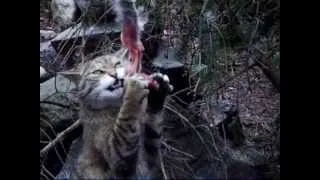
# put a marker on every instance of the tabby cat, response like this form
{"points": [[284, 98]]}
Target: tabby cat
{"points": [[121, 120]]}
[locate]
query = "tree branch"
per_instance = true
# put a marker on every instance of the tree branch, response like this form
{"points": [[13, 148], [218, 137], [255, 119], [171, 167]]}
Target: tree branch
{"points": [[59, 137]]}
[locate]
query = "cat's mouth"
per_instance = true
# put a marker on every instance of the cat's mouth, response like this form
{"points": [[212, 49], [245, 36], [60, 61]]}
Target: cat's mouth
{"points": [[118, 83]]}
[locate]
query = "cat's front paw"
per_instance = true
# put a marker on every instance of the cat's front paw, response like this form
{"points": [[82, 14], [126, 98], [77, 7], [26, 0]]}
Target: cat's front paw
{"points": [[160, 87], [137, 82], [136, 86]]}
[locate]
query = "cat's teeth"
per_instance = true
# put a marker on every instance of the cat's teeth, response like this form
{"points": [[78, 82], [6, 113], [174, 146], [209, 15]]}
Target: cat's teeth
{"points": [[105, 82], [121, 72]]}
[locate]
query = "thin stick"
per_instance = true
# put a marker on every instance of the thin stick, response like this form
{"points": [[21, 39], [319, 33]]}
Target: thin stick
{"points": [[178, 168], [190, 124], [196, 86], [162, 166], [58, 154], [44, 176], [177, 150], [181, 91], [59, 137], [48, 172], [55, 133]]}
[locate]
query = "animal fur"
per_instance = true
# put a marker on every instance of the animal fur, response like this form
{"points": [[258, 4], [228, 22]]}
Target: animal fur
{"points": [[122, 121]]}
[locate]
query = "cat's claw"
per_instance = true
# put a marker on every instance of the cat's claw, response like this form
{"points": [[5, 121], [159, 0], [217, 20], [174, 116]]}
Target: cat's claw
{"points": [[157, 78], [159, 90]]}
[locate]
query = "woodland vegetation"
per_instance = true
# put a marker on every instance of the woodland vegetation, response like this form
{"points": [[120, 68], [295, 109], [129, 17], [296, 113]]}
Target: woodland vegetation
{"points": [[224, 119]]}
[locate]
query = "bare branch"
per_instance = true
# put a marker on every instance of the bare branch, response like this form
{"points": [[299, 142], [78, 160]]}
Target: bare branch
{"points": [[190, 124], [177, 150], [162, 167], [59, 137]]}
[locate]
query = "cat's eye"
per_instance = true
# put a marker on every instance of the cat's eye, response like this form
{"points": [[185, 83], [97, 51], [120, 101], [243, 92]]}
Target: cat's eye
{"points": [[98, 72], [117, 64]]}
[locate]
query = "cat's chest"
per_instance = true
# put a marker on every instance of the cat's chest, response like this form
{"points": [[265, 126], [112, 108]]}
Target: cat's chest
{"points": [[93, 122]]}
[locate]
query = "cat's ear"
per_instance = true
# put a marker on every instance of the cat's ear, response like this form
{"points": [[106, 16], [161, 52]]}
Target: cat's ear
{"points": [[73, 76]]}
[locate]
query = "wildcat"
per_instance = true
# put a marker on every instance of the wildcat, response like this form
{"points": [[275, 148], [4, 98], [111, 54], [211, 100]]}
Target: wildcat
{"points": [[121, 120]]}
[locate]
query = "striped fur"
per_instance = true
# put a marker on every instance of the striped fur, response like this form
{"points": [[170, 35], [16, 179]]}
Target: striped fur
{"points": [[121, 133]]}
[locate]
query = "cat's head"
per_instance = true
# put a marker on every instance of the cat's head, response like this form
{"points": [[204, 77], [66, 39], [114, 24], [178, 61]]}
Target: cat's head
{"points": [[100, 81]]}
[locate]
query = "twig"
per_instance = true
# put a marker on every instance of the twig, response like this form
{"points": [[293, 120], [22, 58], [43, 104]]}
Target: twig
{"points": [[44, 176], [214, 144], [181, 91], [162, 166], [177, 150], [55, 133], [48, 172], [204, 5], [178, 168], [190, 124], [171, 155], [59, 137], [44, 142], [176, 98], [55, 149], [189, 168], [172, 176], [196, 86], [85, 39]]}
